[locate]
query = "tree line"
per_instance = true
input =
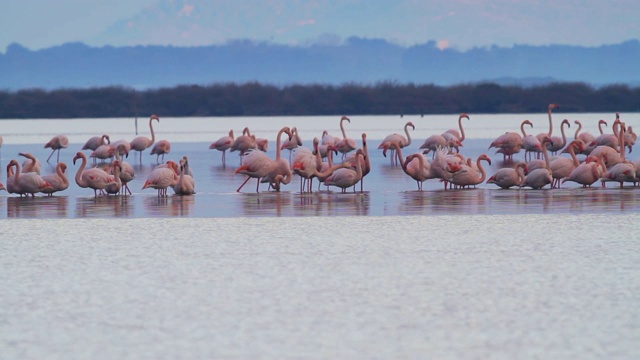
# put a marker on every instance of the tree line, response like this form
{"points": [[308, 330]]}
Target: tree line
{"points": [[256, 99]]}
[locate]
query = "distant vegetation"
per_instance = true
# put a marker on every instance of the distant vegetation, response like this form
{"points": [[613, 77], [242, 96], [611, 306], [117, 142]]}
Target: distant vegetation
{"points": [[255, 99]]}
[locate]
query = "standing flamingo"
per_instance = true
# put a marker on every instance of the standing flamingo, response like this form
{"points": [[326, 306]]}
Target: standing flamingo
{"points": [[415, 165], [26, 182], [57, 143], [223, 144], [186, 185], [94, 178], [586, 137], [530, 143], [141, 143], [347, 144], [548, 134], [347, 177], [453, 137], [398, 139], [557, 143], [507, 177], [561, 167], [161, 147], [293, 142], [116, 186], [31, 163], [280, 166], [95, 141], [468, 176], [508, 144], [58, 180], [624, 171], [244, 142], [161, 177], [538, 178], [256, 164], [587, 172]]}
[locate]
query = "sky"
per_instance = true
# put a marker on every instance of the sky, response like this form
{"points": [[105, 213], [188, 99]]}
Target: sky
{"points": [[456, 24]]}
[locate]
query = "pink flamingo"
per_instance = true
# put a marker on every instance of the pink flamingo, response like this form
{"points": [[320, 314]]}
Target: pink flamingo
{"points": [[507, 177], [538, 178], [468, 176], [415, 165], [94, 178], [624, 171], [223, 144], [95, 141], [31, 163], [561, 167], [530, 143], [508, 144], [161, 147], [280, 166], [460, 136], [58, 180], [116, 186], [244, 142], [256, 164], [347, 144], [557, 143], [548, 134], [161, 177], [292, 143], [586, 137], [186, 185], [587, 172], [347, 177], [366, 165], [26, 183], [141, 143], [398, 139], [57, 143]]}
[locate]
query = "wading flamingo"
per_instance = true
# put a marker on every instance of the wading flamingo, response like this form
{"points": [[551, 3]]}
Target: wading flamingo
{"points": [[59, 180], [141, 143], [57, 143], [162, 177], [223, 144], [94, 178], [186, 185]]}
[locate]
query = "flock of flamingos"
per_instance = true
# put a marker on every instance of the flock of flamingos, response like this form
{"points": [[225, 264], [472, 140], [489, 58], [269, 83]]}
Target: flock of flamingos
{"points": [[548, 160]]}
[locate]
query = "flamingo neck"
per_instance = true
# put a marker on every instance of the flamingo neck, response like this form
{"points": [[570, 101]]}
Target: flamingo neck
{"points": [[572, 152], [344, 134], [483, 173], [564, 137], [79, 179], [462, 135], [575, 137], [406, 131], [550, 123], [600, 123]]}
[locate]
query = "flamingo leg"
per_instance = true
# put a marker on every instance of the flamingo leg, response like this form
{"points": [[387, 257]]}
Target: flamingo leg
{"points": [[52, 151], [248, 177]]}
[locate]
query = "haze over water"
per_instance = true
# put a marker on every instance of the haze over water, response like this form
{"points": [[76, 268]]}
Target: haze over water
{"points": [[479, 273]]}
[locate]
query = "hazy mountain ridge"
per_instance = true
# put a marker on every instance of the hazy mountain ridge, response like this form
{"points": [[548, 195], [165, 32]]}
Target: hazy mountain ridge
{"points": [[361, 61]]}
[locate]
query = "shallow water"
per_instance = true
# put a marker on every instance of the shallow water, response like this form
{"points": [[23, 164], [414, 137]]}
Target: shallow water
{"points": [[446, 287], [478, 273]]}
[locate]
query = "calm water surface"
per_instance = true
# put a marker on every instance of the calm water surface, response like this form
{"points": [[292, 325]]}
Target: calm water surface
{"points": [[496, 274]]}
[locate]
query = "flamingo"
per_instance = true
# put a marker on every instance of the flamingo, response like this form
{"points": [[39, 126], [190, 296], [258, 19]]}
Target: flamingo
{"points": [[561, 167], [587, 172], [460, 136], [31, 163], [161, 177], [586, 137], [223, 144], [419, 170], [468, 176], [610, 140], [325, 165], [308, 164], [58, 180], [398, 139], [123, 147], [161, 147], [127, 173], [186, 185], [256, 164], [244, 142], [12, 186], [95, 141], [26, 182], [116, 186], [506, 178], [623, 171], [293, 142], [558, 143], [57, 143], [141, 143], [530, 143], [548, 134], [347, 177], [347, 144], [280, 167], [433, 142], [94, 178], [366, 165], [508, 144], [103, 152], [540, 177]]}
